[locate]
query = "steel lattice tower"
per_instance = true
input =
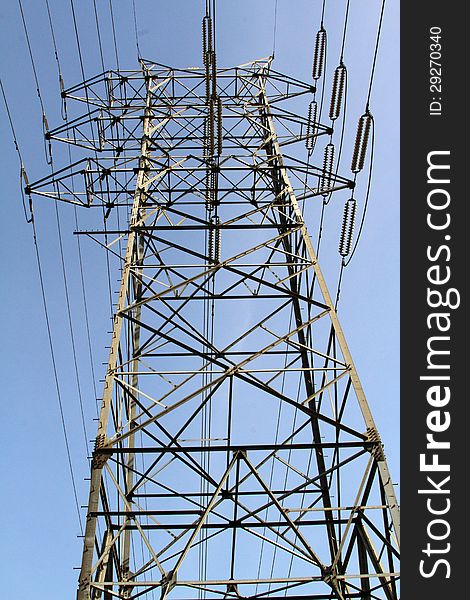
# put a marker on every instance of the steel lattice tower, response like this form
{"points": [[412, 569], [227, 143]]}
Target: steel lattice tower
{"points": [[236, 455]]}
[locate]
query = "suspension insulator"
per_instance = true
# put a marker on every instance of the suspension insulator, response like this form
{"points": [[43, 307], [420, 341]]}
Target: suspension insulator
{"points": [[214, 74], [216, 222], [207, 79], [214, 184], [204, 40], [208, 194], [63, 96], [319, 54], [210, 245], [219, 125], [360, 146], [204, 141], [206, 37], [347, 229], [101, 132], [210, 126], [337, 91], [327, 173], [110, 91], [311, 125]]}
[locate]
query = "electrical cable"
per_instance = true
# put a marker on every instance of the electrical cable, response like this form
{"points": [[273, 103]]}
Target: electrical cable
{"points": [[77, 38], [56, 377], [69, 316], [136, 30], [275, 28], [54, 42], [345, 26], [17, 148], [374, 62], [114, 34], [98, 31], [323, 12], [33, 64]]}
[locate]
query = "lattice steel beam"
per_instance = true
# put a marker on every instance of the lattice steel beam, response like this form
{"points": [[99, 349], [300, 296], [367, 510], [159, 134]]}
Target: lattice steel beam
{"points": [[236, 454]]}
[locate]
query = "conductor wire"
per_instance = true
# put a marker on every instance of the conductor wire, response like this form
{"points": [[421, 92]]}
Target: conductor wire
{"points": [[275, 28], [54, 42], [33, 65], [98, 32], [136, 30], [17, 148], [346, 17], [374, 62], [56, 377]]}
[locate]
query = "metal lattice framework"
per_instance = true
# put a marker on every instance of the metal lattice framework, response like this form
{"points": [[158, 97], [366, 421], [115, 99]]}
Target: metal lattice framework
{"points": [[236, 455]]}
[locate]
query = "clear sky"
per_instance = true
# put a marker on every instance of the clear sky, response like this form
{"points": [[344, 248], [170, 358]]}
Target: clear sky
{"points": [[39, 531]]}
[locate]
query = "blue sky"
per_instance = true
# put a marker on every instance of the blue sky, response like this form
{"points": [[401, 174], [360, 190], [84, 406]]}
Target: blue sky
{"points": [[40, 528]]}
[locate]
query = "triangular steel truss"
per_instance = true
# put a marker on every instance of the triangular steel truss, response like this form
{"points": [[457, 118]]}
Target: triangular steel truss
{"points": [[236, 455]]}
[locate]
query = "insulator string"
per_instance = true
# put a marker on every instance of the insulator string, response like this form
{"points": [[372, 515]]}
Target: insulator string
{"points": [[327, 172], [337, 91], [366, 201], [311, 125], [319, 54], [347, 229], [362, 138]]}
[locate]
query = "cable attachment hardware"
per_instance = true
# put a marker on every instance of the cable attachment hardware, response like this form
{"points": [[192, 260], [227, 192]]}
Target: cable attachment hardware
{"points": [[347, 229], [47, 139], [101, 131], [373, 437], [63, 95], [362, 138]]}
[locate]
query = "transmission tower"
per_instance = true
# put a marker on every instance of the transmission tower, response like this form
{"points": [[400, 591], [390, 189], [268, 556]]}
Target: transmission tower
{"points": [[236, 455]]}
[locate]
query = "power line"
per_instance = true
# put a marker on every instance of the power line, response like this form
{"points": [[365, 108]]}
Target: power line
{"points": [[56, 52], [17, 148], [135, 29], [343, 42], [77, 38], [114, 34], [98, 31], [56, 377], [275, 28], [374, 62], [33, 64]]}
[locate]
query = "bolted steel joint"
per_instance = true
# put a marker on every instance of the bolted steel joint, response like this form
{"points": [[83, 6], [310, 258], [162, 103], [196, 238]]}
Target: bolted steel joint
{"points": [[377, 449]]}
